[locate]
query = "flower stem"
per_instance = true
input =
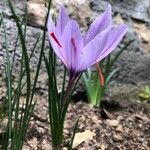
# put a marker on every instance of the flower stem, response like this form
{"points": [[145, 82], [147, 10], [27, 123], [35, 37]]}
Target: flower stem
{"points": [[57, 145], [68, 90]]}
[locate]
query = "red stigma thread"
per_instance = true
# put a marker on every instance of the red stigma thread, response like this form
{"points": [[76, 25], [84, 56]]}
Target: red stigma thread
{"points": [[73, 43], [100, 74], [55, 39]]}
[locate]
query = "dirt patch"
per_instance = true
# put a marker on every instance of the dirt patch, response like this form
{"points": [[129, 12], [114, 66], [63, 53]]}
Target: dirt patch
{"points": [[125, 126]]}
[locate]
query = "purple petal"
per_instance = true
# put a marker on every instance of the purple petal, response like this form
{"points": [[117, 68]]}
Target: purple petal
{"points": [[50, 25], [52, 29], [62, 20], [113, 40], [72, 43], [57, 49], [92, 49], [100, 24]]}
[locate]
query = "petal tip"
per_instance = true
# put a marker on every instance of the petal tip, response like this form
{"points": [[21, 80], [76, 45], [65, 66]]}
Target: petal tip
{"points": [[108, 9], [62, 10]]}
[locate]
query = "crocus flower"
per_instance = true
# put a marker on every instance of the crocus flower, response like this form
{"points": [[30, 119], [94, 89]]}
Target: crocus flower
{"points": [[79, 52]]}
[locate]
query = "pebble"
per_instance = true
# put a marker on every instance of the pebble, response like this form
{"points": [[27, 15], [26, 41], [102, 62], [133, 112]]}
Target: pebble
{"points": [[117, 138], [112, 123], [120, 128]]}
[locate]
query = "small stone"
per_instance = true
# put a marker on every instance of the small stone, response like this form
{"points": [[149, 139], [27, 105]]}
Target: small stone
{"points": [[117, 148], [118, 19], [130, 119], [40, 130], [120, 128], [112, 123], [103, 147], [120, 118], [96, 120], [140, 125], [117, 138], [66, 131], [3, 125], [33, 143], [36, 18], [83, 118], [142, 117], [143, 33], [46, 145]]}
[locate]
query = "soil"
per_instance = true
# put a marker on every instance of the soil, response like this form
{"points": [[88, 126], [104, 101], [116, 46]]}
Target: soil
{"points": [[115, 126]]}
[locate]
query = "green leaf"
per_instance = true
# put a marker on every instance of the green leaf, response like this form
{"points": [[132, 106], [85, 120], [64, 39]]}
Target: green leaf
{"points": [[91, 78], [73, 135], [145, 94]]}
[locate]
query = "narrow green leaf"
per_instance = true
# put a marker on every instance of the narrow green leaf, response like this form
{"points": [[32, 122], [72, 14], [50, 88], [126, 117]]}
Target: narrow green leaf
{"points": [[73, 135]]}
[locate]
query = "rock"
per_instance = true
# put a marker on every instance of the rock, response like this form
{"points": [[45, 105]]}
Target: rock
{"points": [[19, 7], [120, 118], [41, 114], [130, 119], [134, 68], [103, 147], [36, 14], [117, 138], [120, 128], [143, 33], [3, 125], [132, 8], [118, 148], [96, 120], [33, 143], [66, 132], [76, 9], [46, 145], [41, 130], [99, 5], [82, 136], [112, 123], [142, 117], [118, 19]]}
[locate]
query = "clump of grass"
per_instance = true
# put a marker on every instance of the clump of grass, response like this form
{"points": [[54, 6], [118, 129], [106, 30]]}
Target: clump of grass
{"points": [[18, 111], [94, 90]]}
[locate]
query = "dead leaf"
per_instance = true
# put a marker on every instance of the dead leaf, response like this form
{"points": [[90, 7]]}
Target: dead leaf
{"points": [[82, 136]]}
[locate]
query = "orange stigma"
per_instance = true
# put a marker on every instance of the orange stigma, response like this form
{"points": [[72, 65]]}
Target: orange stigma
{"points": [[55, 39], [100, 74]]}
